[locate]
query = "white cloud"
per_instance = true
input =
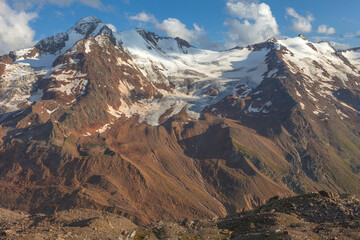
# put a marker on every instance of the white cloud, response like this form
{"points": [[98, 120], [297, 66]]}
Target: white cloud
{"points": [[173, 27], [144, 17], [112, 27], [251, 22], [339, 46], [301, 24], [15, 32], [323, 29]]}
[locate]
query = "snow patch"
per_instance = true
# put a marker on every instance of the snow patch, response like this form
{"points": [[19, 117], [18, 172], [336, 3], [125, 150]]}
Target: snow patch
{"points": [[338, 111], [302, 106], [51, 111], [125, 88], [260, 109], [88, 43], [344, 104], [104, 128], [72, 87], [74, 61], [272, 73]]}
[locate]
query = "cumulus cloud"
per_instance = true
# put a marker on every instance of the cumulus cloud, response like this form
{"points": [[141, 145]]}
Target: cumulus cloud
{"points": [[15, 32], [144, 17], [15, 15], [173, 27], [251, 22], [323, 29], [301, 24], [112, 27]]}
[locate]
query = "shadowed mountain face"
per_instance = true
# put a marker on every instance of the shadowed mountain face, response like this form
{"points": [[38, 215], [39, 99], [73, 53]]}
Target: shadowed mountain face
{"points": [[153, 128]]}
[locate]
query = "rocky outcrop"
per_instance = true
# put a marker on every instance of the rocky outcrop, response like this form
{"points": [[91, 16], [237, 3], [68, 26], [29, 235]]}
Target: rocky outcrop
{"points": [[322, 215], [53, 44]]}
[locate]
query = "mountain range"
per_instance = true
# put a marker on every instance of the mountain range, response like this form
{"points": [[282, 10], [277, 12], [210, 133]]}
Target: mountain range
{"points": [[153, 128]]}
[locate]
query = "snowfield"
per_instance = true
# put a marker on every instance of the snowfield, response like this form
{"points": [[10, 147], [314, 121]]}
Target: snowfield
{"points": [[193, 73]]}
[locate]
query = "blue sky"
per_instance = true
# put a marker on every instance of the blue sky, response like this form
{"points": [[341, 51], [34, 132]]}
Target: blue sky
{"points": [[204, 23]]}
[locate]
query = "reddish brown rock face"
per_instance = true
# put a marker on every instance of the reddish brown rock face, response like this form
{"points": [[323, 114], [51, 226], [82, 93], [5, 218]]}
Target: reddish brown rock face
{"points": [[84, 136], [2, 69], [5, 59]]}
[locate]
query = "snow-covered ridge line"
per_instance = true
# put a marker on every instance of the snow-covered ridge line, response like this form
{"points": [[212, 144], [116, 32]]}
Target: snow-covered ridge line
{"points": [[200, 77]]}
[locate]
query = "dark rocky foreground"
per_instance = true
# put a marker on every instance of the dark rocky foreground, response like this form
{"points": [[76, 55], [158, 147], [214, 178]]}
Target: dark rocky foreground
{"points": [[321, 215]]}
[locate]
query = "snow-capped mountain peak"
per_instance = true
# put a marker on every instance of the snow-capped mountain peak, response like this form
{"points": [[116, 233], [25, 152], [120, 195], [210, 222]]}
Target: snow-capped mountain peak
{"points": [[189, 77], [61, 42], [87, 26], [302, 37]]}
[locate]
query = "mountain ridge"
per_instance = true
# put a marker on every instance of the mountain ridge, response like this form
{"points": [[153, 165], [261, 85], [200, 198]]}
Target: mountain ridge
{"points": [[153, 128]]}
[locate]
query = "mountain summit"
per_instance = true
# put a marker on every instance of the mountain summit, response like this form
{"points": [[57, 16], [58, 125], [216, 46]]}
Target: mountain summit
{"points": [[153, 128]]}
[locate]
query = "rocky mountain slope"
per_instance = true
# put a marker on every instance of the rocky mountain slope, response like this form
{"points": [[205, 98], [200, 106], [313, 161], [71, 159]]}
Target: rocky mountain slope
{"points": [[153, 128]]}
